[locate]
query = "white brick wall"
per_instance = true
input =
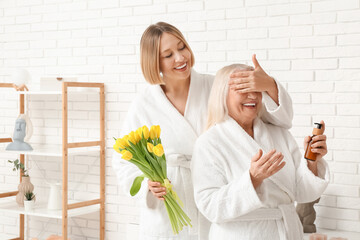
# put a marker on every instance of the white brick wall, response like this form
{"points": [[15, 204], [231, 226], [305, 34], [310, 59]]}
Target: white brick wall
{"points": [[312, 47]]}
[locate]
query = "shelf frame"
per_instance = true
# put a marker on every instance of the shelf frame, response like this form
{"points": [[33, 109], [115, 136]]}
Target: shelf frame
{"points": [[22, 160], [65, 154], [66, 145]]}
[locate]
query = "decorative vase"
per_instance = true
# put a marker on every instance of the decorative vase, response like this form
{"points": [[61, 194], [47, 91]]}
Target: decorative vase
{"points": [[24, 187], [55, 200], [29, 205]]}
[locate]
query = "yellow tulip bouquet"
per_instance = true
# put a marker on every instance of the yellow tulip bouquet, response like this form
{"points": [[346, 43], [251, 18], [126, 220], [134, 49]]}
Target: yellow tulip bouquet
{"points": [[143, 148]]}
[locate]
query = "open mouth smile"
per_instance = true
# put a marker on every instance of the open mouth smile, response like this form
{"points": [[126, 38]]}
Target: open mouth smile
{"points": [[181, 67]]}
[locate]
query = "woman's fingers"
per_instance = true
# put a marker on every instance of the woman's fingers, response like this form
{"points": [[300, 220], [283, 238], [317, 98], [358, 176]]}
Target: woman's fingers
{"points": [[274, 158], [319, 138], [276, 167], [320, 151], [247, 71], [159, 195], [257, 156], [319, 144], [235, 82], [239, 74], [153, 184], [307, 139], [255, 61], [323, 124], [265, 157], [156, 189], [244, 90], [158, 192], [240, 86]]}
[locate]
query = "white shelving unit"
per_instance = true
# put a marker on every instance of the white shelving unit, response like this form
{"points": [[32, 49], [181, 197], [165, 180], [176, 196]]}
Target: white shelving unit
{"points": [[69, 208], [52, 151], [52, 92], [40, 209]]}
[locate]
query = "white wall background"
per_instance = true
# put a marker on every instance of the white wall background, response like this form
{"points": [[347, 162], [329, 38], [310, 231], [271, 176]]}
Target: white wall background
{"points": [[311, 47]]}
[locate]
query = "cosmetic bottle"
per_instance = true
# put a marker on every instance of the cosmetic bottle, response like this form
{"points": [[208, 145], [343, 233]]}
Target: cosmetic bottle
{"points": [[318, 130]]}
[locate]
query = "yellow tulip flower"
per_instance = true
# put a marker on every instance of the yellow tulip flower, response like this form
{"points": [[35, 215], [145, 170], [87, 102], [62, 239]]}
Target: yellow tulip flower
{"points": [[126, 140], [138, 134], [150, 147], [120, 143], [158, 131], [145, 131], [158, 150], [153, 132], [116, 148], [126, 155], [132, 137]]}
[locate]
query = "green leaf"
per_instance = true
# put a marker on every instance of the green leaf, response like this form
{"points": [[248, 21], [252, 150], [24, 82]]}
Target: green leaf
{"points": [[136, 185], [163, 166]]}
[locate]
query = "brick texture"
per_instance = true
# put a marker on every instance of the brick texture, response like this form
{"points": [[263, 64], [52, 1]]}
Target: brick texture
{"points": [[311, 47]]}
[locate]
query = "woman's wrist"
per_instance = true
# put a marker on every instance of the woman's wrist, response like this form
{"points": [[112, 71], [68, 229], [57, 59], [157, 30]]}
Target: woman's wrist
{"points": [[312, 165], [273, 90], [256, 182], [272, 85]]}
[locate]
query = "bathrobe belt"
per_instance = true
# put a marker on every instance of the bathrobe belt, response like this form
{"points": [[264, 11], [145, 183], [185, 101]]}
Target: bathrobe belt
{"points": [[183, 162], [287, 212], [178, 160]]}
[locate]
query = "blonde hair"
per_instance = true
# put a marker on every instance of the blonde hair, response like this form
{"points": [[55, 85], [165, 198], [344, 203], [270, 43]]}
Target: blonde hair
{"points": [[150, 50], [217, 108]]}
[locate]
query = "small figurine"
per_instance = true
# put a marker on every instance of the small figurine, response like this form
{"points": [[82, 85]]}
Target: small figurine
{"points": [[18, 143]]}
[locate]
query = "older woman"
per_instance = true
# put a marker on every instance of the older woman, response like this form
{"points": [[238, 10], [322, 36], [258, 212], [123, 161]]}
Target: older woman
{"points": [[247, 173], [177, 101]]}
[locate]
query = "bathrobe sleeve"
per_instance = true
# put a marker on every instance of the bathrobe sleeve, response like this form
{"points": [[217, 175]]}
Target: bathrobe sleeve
{"points": [[308, 186], [216, 198], [280, 115], [125, 171]]}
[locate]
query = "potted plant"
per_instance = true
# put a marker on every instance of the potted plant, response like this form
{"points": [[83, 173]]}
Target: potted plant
{"points": [[25, 185], [29, 201]]}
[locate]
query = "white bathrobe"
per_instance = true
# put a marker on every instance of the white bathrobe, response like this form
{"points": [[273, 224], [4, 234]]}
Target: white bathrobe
{"points": [[178, 135], [224, 192]]}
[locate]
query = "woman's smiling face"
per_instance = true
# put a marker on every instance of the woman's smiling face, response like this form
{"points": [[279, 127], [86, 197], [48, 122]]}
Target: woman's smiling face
{"points": [[175, 58], [243, 107]]}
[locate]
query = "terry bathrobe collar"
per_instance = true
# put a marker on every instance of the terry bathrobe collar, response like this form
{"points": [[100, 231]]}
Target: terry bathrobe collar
{"points": [[182, 128]]}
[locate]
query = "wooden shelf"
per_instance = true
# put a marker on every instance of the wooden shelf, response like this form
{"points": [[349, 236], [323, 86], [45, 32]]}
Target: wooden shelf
{"points": [[53, 151], [53, 92], [6, 236], [40, 209]]}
